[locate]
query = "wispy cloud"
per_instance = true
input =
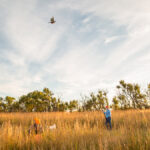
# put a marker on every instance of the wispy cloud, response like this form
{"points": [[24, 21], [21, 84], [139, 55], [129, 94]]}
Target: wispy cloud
{"points": [[93, 45], [110, 39]]}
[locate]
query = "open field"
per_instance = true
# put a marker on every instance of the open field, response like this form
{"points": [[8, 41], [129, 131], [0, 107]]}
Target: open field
{"points": [[77, 131]]}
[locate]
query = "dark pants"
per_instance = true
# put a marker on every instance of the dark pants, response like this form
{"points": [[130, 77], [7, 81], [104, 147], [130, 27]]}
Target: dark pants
{"points": [[36, 128], [108, 121]]}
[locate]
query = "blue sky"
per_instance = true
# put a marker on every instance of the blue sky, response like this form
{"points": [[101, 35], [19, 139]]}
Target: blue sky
{"points": [[92, 45]]}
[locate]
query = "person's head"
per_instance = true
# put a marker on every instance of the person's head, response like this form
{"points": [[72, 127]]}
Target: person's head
{"points": [[107, 107], [37, 121]]}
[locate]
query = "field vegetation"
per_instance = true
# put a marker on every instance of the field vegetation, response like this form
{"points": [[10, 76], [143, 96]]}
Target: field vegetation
{"points": [[76, 131]]}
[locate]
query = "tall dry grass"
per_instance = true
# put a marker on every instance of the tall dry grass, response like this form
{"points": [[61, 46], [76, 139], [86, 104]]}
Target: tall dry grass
{"points": [[76, 131]]}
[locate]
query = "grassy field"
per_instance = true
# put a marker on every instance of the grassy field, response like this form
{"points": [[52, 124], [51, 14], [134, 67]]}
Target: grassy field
{"points": [[76, 131]]}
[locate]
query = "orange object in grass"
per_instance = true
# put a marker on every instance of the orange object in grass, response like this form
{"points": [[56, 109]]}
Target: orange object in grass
{"points": [[37, 121]]}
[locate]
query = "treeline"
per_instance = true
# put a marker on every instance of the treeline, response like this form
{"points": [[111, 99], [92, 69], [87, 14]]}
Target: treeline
{"points": [[36, 101], [128, 96]]}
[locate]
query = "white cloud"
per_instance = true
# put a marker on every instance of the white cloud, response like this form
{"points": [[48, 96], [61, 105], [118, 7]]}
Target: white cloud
{"points": [[29, 33], [135, 16], [84, 66], [110, 39], [86, 20]]}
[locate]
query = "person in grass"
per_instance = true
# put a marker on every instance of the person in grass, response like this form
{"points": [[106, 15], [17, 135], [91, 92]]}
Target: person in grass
{"points": [[107, 114], [36, 127]]}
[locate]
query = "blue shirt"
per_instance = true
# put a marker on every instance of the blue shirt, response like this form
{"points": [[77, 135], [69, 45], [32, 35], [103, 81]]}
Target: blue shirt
{"points": [[107, 113]]}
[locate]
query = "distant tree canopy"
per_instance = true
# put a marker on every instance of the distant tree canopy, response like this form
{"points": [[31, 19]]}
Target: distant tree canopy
{"points": [[96, 101], [129, 96], [36, 101]]}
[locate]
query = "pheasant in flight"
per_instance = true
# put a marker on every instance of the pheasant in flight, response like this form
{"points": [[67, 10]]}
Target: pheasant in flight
{"points": [[52, 20]]}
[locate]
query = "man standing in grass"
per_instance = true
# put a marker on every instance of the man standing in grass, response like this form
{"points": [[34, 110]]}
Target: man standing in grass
{"points": [[107, 114]]}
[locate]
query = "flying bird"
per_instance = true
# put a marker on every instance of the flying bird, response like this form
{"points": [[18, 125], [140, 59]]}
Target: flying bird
{"points": [[52, 20]]}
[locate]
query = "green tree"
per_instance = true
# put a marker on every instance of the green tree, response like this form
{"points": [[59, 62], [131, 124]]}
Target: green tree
{"points": [[48, 99], [115, 103], [39, 101], [73, 105], [147, 93], [15, 107], [2, 105], [63, 106], [102, 99], [96, 102], [9, 102], [130, 95]]}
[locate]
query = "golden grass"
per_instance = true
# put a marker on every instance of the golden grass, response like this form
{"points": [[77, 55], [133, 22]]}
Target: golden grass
{"points": [[76, 131]]}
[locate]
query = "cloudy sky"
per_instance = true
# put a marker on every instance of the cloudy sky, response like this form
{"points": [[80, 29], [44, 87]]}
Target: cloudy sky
{"points": [[92, 45]]}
